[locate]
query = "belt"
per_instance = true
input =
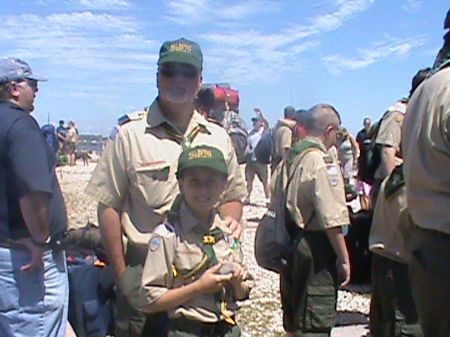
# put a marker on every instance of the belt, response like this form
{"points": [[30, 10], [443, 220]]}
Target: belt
{"points": [[200, 328], [57, 243]]}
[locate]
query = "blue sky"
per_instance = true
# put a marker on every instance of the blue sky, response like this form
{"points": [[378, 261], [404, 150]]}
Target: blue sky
{"points": [[100, 55]]}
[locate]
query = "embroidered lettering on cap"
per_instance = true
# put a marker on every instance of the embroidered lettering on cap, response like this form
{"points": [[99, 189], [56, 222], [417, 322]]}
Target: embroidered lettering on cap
{"points": [[181, 47], [200, 154]]}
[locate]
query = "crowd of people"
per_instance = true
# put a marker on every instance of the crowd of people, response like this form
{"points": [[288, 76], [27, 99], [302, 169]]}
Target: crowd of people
{"points": [[179, 204]]}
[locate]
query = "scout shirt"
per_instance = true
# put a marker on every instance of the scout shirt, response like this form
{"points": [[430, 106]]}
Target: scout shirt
{"points": [[389, 134], [136, 174], [283, 136], [179, 247], [391, 228], [426, 149], [315, 195]]}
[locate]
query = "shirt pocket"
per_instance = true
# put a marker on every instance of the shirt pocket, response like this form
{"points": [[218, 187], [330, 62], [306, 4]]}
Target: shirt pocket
{"points": [[156, 184]]}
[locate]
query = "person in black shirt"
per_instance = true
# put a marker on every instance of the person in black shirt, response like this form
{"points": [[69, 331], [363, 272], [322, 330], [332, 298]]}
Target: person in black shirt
{"points": [[363, 132], [33, 219]]}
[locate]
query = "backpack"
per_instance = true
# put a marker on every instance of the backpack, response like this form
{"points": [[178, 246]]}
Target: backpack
{"points": [[275, 237], [49, 133], [264, 149], [237, 130], [370, 155]]}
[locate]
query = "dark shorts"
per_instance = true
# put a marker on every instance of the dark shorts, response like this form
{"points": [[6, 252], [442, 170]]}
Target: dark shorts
{"points": [[261, 170]]}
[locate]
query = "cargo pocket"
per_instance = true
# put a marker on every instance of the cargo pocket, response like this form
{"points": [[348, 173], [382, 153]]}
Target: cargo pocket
{"points": [[94, 322], [320, 313]]}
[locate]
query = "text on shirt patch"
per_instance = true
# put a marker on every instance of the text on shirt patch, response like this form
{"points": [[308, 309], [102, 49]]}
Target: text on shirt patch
{"points": [[332, 172]]}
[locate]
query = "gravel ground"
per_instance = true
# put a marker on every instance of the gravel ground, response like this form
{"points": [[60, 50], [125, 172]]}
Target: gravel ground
{"points": [[260, 316]]}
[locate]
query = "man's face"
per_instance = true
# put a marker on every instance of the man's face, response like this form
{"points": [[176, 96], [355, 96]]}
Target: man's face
{"points": [[24, 93], [202, 188], [330, 135], [367, 123], [178, 83], [257, 124]]}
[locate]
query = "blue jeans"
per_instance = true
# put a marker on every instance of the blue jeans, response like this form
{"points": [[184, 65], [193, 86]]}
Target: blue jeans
{"points": [[33, 304]]}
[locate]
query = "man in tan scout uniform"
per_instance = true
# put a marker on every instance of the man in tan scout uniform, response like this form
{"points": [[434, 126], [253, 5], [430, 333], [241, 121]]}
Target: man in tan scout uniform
{"points": [[194, 269], [393, 312], [426, 151], [316, 203], [135, 181], [282, 135]]}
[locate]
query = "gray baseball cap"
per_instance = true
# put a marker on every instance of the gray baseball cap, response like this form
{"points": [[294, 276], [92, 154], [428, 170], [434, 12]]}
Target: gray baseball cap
{"points": [[14, 69]]}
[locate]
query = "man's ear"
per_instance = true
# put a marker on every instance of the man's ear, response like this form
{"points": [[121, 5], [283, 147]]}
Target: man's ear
{"points": [[14, 90]]}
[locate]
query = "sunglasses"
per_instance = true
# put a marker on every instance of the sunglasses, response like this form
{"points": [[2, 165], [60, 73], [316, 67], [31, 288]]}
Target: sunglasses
{"points": [[33, 84], [188, 73]]}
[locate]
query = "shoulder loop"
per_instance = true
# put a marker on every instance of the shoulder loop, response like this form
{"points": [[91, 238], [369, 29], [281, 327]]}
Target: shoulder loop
{"points": [[131, 116], [213, 121]]}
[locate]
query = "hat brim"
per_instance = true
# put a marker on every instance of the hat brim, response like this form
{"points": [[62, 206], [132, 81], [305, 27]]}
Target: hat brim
{"points": [[36, 78], [181, 58]]}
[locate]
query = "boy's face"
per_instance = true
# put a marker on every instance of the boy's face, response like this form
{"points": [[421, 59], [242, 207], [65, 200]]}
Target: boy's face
{"points": [[202, 188]]}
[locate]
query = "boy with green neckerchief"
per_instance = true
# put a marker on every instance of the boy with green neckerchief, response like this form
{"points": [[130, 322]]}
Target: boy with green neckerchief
{"points": [[194, 269]]}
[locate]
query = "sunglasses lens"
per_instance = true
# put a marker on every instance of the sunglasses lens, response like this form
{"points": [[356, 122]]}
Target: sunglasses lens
{"points": [[184, 72]]}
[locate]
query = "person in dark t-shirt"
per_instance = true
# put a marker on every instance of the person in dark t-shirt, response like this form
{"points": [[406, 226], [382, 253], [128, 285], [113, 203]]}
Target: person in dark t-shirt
{"points": [[33, 216]]}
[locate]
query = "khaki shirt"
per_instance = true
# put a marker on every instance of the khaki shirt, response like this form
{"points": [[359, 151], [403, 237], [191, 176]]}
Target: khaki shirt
{"points": [[391, 228], [136, 174], [389, 134], [180, 246], [426, 150], [283, 136], [315, 195]]}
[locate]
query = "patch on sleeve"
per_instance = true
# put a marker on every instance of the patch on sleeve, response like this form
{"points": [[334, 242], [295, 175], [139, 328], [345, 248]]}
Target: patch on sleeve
{"points": [[333, 174], [154, 244]]}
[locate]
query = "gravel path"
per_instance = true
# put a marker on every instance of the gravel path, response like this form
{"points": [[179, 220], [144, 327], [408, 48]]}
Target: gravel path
{"points": [[260, 316]]}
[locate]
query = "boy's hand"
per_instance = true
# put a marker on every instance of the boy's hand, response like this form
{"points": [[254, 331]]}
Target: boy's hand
{"points": [[238, 274], [343, 271], [211, 281]]}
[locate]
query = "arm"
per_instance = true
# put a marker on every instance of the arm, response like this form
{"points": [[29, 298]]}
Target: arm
{"points": [[210, 282], [355, 148], [387, 160], [34, 208], [337, 241], [111, 231]]}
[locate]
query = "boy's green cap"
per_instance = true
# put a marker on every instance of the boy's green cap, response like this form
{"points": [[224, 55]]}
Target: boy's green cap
{"points": [[202, 156], [181, 51]]}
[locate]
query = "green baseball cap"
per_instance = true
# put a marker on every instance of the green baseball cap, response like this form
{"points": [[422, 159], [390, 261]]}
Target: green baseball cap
{"points": [[181, 51], [202, 156]]}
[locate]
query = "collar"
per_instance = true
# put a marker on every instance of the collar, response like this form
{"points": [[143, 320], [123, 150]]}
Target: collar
{"points": [[287, 122], [155, 118], [188, 221], [12, 105], [317, 141]]}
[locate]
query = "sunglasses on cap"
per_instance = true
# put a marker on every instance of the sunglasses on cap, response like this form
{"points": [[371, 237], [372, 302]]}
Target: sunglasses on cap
{"points": [[172, 71]]}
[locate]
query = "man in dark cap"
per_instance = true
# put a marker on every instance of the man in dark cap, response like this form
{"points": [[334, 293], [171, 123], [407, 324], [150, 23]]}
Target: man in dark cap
{"points": [[135, 183], [33, 219]]}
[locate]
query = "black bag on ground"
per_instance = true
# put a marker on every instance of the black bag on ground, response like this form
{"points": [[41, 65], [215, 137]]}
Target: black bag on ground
{"points": [[264, 149]]}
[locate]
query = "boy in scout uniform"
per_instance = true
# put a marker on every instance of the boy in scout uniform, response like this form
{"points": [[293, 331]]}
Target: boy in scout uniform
{"points": [[194, 268], [426, 151], [316, 204], [392, 310], [135, 182]]}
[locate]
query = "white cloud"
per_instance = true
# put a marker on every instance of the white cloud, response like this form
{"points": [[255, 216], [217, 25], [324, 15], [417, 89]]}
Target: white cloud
{"points": [[86, 41], [103, 4], [366, 57], [412, 5], [194, 12], [251, 55]]}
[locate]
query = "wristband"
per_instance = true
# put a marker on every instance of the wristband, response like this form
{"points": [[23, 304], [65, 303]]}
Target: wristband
{"points": [[41, 244]]}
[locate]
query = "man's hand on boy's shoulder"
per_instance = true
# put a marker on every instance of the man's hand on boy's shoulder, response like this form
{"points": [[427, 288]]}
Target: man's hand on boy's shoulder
{"points": [[234, 227]]}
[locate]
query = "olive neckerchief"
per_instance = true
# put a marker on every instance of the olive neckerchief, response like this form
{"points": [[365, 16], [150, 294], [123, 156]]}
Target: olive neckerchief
{"points": [[208, 260], [394, 182]]}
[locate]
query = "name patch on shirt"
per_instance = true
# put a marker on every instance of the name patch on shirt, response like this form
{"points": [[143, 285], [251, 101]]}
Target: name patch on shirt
{"points": [[333, 174]]}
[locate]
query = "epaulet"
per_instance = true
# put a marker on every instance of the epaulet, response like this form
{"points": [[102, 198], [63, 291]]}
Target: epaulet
{"points": [[164, 229], [131, 116], [214, 121]]}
